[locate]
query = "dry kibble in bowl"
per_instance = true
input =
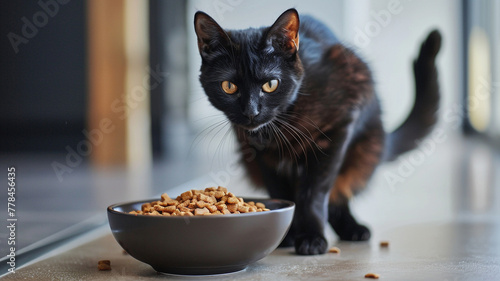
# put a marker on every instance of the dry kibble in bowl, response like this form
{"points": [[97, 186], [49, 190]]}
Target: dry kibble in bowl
{"points": [[211, 201]]}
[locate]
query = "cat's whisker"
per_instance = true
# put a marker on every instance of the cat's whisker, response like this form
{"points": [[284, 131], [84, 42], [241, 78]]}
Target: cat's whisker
{"points": [[310, 137], [198, 99], [295, 135], [310, 140], [217, 133], [281, 149], [304, 137], [213, 116], [278, 139], [204, 133], [308, 121], [306, 142], [218, 150], [300, 93], [291, 150]]}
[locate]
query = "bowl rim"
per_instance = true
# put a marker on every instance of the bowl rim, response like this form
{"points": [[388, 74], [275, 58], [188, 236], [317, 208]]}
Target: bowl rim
{"points": [[290, 205]]}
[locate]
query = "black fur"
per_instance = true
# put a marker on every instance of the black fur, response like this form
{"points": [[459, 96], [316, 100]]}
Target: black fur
{"points": [[318, 138]]}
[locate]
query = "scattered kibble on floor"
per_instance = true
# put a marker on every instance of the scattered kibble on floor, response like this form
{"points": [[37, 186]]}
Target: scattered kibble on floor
{"points": [[104, 265], [372, 275], [334, 250]]}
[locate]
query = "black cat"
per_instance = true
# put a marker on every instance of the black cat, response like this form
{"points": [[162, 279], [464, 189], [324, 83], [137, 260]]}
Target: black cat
{"points": [[304, 105]]}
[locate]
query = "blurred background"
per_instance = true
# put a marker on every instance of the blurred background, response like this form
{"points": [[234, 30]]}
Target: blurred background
{"points": [[100, 100]]}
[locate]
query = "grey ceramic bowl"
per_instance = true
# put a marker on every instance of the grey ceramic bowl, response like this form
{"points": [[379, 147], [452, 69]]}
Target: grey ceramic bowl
{"points": [[201, 244]]}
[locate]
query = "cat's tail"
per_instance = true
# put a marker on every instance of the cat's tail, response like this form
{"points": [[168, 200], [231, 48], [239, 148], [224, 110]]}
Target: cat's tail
{"points": [[423, 114]]}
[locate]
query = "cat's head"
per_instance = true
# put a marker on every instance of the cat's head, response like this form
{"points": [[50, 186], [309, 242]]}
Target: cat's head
{"points": [[251, 75]]}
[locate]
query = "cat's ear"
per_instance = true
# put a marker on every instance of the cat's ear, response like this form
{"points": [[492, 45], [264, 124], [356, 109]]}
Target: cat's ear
{"points": [[284, 33], [209, 33]]}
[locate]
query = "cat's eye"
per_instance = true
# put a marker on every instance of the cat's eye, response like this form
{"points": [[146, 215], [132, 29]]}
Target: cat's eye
{"points": [[229, 88], [270, 86]]}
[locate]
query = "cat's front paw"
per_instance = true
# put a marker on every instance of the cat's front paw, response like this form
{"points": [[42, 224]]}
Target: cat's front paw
{"points": [[310, 244]]}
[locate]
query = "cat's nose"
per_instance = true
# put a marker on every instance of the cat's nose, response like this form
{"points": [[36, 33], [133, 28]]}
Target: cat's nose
{"points": [[252, 115], [251, 112]]}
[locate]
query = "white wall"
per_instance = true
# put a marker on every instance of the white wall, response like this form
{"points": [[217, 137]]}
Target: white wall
{"points": [[392, 48]]}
